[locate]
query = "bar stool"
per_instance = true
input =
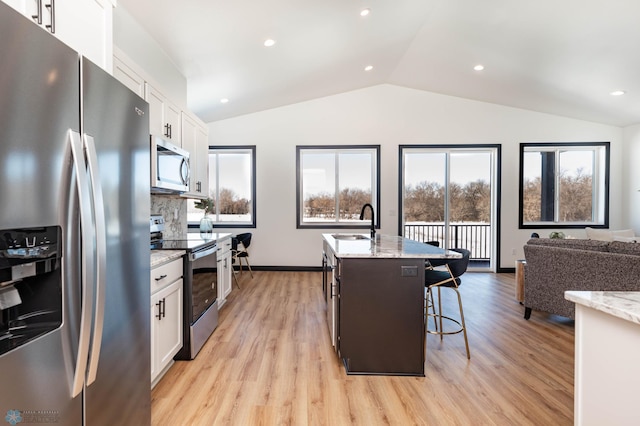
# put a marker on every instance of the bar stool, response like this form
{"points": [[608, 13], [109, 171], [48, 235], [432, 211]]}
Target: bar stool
{"points": [[449, 278]]}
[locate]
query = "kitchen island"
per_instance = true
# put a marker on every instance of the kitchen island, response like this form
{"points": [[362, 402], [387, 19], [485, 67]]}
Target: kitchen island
{"points": [[374, 289], [607, 347]]}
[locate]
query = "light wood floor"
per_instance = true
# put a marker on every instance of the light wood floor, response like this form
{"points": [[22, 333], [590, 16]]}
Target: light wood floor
{"points": [[270, 362]]}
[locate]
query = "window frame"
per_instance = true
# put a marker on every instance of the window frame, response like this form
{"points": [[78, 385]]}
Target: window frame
{"points": [[601, 173], [252, 152], [301, 224]]}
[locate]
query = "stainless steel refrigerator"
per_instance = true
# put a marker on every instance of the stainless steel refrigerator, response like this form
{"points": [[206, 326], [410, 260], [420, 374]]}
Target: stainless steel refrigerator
{"points": [[74, 237]]}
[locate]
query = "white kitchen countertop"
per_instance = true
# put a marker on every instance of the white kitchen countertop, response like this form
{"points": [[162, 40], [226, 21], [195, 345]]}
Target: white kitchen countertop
{"points": [[385, 246], [621, 304], [158, 257]]}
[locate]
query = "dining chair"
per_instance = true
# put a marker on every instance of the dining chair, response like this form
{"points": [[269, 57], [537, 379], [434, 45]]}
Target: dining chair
{"points": [[239, 245]]}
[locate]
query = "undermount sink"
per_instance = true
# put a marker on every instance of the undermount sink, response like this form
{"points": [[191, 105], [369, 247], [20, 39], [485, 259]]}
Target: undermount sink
{"points": [[349, 237]]}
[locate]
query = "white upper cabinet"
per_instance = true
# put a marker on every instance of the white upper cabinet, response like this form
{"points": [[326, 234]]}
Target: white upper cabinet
{"points": [[127, 76], [195, 139], [85, 25], [164, 115]]}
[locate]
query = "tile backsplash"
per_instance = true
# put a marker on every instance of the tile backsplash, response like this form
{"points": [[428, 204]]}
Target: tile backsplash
{"points": [[168, 206]]}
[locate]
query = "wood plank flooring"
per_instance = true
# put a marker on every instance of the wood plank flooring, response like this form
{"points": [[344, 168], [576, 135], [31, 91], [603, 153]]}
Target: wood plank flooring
{"points": [[270, 362]]}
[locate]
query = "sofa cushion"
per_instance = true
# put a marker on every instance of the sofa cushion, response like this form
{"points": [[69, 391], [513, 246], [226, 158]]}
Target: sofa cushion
{"points": [[626, 239], [598, 234], [608, 235], [571, 243], [624, 248]]}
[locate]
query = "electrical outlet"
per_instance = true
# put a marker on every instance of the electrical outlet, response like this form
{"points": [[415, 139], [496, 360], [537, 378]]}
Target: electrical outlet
{"points": [[513, 251]]}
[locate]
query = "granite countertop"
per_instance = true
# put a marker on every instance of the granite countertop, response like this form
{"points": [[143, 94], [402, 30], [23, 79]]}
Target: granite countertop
{"points": [[158, 257], [621, 304], [385, 246]]}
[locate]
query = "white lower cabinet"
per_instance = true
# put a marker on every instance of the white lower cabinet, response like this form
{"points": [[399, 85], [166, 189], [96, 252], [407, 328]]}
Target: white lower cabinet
{"points": [[166, 317], [224, 270]]}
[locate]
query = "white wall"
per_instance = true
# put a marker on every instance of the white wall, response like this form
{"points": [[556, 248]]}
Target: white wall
{"points": [[390, 115], [631, 186]]}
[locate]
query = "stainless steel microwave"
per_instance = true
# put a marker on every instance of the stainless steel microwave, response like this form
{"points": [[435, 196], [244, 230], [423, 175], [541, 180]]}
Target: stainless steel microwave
{"points": [[170, 168]]}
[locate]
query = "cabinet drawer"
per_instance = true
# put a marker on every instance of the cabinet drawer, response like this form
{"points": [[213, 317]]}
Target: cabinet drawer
{"points": [[163, 275], [224, 247]]}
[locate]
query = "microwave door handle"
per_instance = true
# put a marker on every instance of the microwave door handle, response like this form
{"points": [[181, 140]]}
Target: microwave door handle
{"points": [[86, 233], [101, 255], [185, 173]]}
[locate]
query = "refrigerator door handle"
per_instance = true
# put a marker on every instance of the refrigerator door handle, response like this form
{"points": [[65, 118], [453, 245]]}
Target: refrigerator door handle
{"points": [[101, 255], [86, 233]]}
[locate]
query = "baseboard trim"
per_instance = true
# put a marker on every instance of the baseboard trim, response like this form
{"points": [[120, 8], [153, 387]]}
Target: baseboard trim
{"points": [[319, 269], [286, 268]]}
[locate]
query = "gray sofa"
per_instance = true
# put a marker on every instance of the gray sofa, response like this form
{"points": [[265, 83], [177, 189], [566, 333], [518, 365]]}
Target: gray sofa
{"points": [[557, 265]]}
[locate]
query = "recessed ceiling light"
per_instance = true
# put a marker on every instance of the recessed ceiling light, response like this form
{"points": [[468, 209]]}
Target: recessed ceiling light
{"points": [[368, 68], [617, 93], [269, 42], [224, 100], [365, 12], [478, 67]]}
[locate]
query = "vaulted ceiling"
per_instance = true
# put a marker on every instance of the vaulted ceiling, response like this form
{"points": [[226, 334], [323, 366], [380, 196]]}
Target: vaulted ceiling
{"points": [[562, 57]]}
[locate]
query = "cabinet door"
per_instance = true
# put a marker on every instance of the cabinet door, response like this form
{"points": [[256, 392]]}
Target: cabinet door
{"points": [[86, 26], [202, 159], [166, 309], [164, 115], [154, 309], [156, 106], [221, 296], [172, 117], [128, 77], [189, 144], [26, 7], [195, 140], [227, 274]]}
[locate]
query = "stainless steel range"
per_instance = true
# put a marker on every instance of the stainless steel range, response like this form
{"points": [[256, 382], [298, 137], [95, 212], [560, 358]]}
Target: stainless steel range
{"points": [[200, 291]]}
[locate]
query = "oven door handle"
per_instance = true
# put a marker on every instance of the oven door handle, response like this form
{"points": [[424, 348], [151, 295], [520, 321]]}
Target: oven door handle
{"points": [[202, 253]]}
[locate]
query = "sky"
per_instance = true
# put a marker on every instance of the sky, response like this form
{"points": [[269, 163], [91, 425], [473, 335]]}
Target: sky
{"points": [[465, 167]]}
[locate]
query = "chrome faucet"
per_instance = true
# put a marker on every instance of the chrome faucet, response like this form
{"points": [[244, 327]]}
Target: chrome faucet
{"points": [[373, 222]]}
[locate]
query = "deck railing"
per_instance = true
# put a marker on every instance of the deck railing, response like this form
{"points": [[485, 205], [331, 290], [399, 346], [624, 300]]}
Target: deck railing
{"points": [[475, 237]]}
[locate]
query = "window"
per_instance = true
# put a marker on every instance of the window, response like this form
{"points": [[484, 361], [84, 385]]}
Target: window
{"points": [[232, 188], [334, 182], [564, 185]]}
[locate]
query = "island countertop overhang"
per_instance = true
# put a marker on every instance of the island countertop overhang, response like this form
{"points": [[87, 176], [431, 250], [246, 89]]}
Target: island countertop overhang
{"points": [[383, 246]]}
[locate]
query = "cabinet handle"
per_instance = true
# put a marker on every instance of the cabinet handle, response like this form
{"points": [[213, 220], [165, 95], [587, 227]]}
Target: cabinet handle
{"points": [[52, 8], [170, 131], [166, 129], [161, 277], [38, 16], [164, 307], [159, 305]]}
